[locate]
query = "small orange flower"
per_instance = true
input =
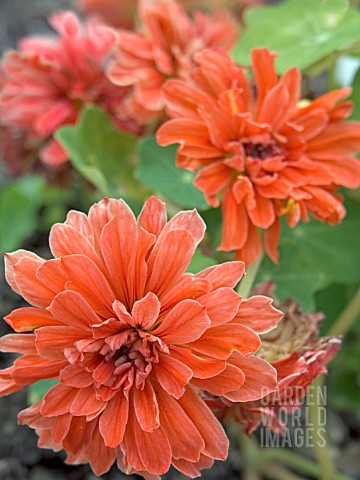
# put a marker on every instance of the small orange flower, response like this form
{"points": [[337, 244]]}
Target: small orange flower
{"points": [[49, 79], [133, 339], [164, 49], [265, 155], [118, 13]]}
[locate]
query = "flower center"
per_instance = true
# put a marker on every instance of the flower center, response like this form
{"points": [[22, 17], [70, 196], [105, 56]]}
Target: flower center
{"points": [[263, 150], [129, 356], [135, 352]]}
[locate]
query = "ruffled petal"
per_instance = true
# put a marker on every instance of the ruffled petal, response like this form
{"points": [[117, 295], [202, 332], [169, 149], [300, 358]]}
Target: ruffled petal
{"points": [[146, 407], [146, 311], [185, 442], [87, 280], [72, 309], [216, 442], [227, 274], [186, 322], [220, 341], [260, 378], [28, 319], [153, 216], [169, 260], [221, 305], [113, 420], [172, 375], [259, 314]]}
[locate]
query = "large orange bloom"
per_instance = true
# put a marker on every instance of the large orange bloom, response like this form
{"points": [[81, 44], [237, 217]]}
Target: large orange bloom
{"points": [[164, 49], [133, 339], [263, 155]]}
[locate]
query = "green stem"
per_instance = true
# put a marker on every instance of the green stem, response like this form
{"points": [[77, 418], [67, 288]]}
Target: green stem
{"points": [[347, 317], [251, 456], [298, 462], [251, 271], [321, 452], [258, 462], [275, 471]]}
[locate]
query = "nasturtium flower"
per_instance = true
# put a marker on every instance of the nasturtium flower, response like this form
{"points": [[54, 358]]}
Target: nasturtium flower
{"points": [[298, 353], [47, 81], [263, 152], [133, 340], [163, 49], [117, 13]]}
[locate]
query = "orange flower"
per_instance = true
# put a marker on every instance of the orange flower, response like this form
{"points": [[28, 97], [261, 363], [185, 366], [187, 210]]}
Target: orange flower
{"points": [[119, 13], [49, 79], [165, 50], [263, 155], [133, 339]]}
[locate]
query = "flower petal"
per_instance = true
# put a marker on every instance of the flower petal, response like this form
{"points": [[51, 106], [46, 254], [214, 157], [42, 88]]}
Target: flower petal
{"points": [[235, 223], [153, 216], [221, 305], [88, 280], [220, 341], [28, 319], [201, 365], [113, 420], [72, 309], [76, 376], [31, 368], [260, 378], [186, 322], [216, 442], [146, 311], [230, 379], [189, 221], [58, 400], [19, 343], [169, 260], [118, 245], [185, 442], [146, 407], [52, 341], [259, 314], [227, 274], [173, 375], [12, 259], [85, 402], [29, 286]]}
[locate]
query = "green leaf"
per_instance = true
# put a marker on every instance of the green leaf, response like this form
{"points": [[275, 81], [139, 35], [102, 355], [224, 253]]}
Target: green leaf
{"points": [[345, 391], [294, 277], [200, 262], [98, 150], [158, 171], [37, 390], [355, 97], [19, 205], [303, 32], [314, 255], [344, 381], [332, 301]]}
